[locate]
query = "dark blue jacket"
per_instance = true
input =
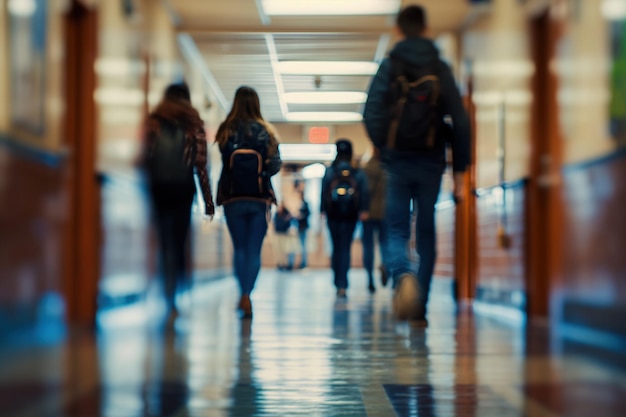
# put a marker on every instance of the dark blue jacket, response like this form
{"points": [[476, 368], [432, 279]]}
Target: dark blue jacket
{"points": [[376, 115], [361, 183]]}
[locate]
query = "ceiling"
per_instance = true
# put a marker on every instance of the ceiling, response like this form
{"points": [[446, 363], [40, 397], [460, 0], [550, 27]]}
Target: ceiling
{"points": [[234, 42]]}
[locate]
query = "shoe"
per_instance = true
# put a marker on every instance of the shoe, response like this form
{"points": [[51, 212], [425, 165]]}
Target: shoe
{"points": [[245, 307], [384, 277], [341, 293], [371, 288], [406, 299], [302, 266]]}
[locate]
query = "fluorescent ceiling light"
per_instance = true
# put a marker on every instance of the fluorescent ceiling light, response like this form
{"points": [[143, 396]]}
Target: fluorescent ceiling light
{"points": [[614, 9], [307, 152], [327, 67], [22, 8], [326, 97], [322, 116], [329, 7]]}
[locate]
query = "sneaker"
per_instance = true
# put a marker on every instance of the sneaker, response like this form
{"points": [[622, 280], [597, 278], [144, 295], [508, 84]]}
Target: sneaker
{"points": [[341, 293], [371, 288], [406, 303]]}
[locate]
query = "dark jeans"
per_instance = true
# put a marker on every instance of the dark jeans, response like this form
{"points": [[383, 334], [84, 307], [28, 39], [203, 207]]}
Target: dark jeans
{"points": [[303, 257], [172, 226], [370, 227], [341, 232], [247, 224], [420, 182]]}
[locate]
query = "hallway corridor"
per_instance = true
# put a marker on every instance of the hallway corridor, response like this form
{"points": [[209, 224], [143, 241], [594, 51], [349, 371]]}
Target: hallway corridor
{"points": [[305, 354]]}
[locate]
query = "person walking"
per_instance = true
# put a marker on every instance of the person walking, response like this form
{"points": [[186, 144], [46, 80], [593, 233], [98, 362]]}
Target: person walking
{"points": [[345, 200], [250, 157], [174, 143], [303, 227], [408, 101], [282, 226], [374, 225]]}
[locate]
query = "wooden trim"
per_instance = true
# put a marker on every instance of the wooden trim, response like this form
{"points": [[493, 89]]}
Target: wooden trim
{"points": [[543, 206], [82, 261], [466, 235]]}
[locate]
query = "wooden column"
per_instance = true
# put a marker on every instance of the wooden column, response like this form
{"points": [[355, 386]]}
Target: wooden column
{"points": [[544, 210], [466, 243], [82, 254]]}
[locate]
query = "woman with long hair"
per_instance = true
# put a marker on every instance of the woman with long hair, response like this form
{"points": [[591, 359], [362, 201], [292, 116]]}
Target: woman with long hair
{"points": [[250, 158], [174, 146]]}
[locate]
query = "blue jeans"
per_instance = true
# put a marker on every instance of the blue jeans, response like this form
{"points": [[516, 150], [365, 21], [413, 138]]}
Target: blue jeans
{"points": [[420, 182], [302, 236], [341, 233], [247, 224], [369, 228]]}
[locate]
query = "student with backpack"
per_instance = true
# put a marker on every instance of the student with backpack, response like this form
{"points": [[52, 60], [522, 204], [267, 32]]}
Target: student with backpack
{"points": [[250, 158], [408, 99], [174, 144], [345, 200]]}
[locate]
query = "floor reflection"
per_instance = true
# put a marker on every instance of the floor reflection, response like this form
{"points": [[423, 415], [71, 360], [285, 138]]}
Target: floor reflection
{"points": [[305, 353]]}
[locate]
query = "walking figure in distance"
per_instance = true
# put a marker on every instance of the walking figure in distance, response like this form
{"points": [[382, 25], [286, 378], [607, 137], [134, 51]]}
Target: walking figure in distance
{"points": [[374, 225], [345, 200]]}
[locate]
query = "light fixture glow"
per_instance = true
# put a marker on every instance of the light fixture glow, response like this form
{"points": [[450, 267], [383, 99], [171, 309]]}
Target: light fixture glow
{"points": [[119, 67], [313, 171], [329, 7], [326, 97], [307, 152], [119, 96], [324, 117], [614, 9], [327, 67], [22, 8]]}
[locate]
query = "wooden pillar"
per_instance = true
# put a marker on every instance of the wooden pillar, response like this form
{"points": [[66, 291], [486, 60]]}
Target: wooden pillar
{"points": [[543, 210], [82, 254], [465, 262]]}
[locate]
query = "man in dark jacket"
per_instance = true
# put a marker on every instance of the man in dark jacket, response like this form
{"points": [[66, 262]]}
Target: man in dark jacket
{"points": [[345, 200], [415, 175]]}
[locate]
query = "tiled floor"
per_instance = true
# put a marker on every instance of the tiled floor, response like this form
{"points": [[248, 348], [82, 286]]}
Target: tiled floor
{"points": [[305, 354]]}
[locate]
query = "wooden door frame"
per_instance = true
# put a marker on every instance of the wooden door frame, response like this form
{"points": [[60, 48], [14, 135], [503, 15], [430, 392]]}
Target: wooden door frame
{"points": [[83, 231], [543, 203]]}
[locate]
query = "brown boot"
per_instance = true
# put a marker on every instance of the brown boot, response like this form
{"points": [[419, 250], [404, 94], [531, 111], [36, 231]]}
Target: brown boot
{"points": [[245, 307]]}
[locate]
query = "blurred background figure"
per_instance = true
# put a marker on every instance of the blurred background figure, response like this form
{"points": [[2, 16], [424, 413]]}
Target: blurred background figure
{"points": [[303, 226], [282, 226], [374, 225], [345, 200], [174, 144]]}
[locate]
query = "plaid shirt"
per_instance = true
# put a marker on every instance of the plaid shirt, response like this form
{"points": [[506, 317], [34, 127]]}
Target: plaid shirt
{"points": [[198, 140]]}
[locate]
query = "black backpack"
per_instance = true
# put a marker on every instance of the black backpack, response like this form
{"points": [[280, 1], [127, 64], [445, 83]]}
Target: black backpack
{"points": [[343, 195], [166, 163], [245, 157], [413, 101]]}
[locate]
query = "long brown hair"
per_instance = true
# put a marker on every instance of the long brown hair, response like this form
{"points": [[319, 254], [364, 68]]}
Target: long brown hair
{"points": [[246, 108], [176, 108]]}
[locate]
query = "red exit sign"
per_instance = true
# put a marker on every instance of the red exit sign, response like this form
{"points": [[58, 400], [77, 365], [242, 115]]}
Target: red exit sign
{"points": [[318, 134]]}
